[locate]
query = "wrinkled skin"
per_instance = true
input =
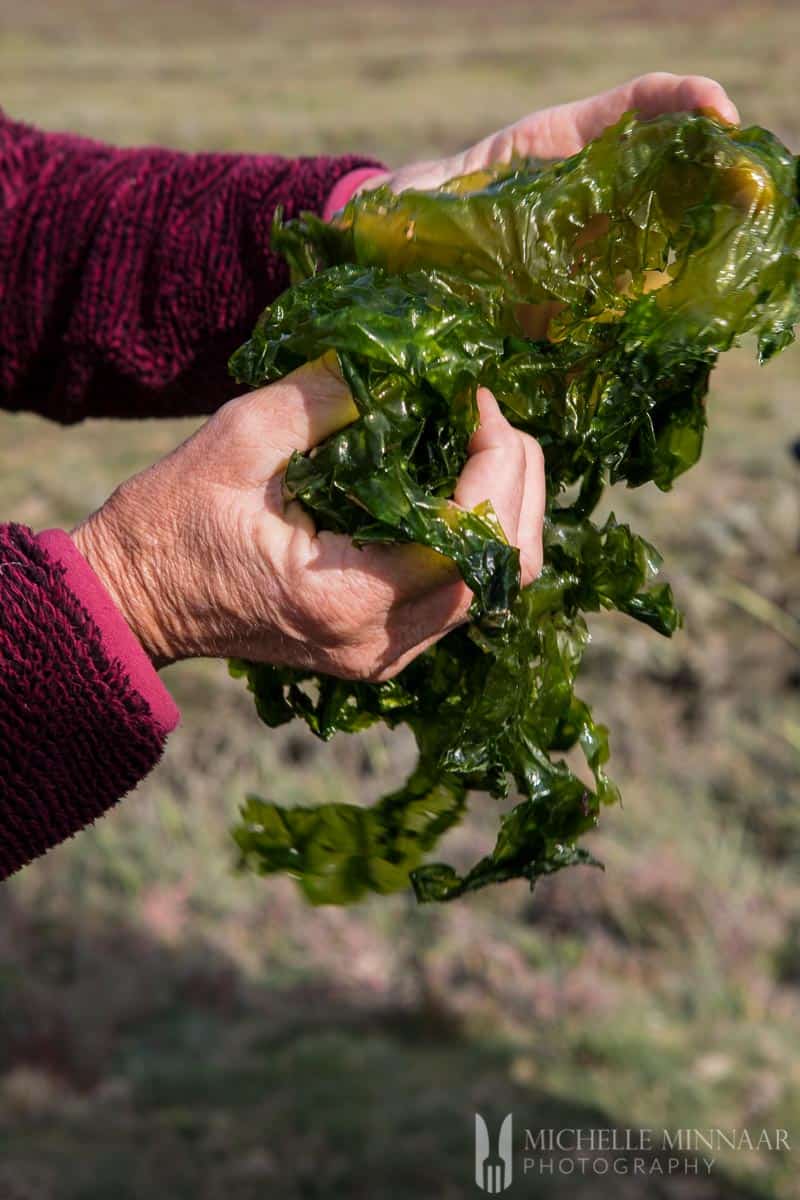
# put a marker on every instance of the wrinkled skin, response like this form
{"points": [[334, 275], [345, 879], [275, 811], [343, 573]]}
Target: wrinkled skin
{"points": [[204, 558], [185, 597]]}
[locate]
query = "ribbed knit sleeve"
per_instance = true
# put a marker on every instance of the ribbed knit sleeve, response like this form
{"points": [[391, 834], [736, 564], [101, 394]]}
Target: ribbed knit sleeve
{"points": [[79, 725], [128, 277]]}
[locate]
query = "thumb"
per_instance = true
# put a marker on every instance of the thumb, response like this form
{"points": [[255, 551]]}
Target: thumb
{"points": [[302, 409], [495, 469]]}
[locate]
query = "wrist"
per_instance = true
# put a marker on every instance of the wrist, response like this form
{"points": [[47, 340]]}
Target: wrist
{"points": [[360, 180], [122, 570], [116, 637]]}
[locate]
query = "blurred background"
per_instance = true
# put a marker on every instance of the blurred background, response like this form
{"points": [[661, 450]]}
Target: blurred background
{"points": [[170, 1029]]}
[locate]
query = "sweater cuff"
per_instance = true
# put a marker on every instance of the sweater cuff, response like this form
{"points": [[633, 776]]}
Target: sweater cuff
{"points": [[119, 641], [343, 189]]}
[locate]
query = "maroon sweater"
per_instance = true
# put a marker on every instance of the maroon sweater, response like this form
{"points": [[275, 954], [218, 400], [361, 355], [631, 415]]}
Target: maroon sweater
{"points": [[127, 277]]}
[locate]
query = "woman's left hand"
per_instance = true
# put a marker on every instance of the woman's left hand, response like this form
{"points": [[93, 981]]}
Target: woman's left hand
{"points": [[566, 128]]}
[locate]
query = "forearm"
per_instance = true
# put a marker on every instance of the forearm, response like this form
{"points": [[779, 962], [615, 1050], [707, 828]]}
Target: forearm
{"points": [[129, 276]]}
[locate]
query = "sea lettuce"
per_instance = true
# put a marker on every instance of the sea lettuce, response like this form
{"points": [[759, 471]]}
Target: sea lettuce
{"points": [[637, 262]]}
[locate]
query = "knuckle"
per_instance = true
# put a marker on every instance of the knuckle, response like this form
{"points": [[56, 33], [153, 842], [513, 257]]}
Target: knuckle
{"points": [[533, 453], [650, 77], [247, 421], [531, 559], [356, 662], [384, 674], [287, 429], [234, 411], [334, 618], [342, 624], [383, 664], [373, 660], [331, 625], [296, 558], [516, 448], [236, 423]]}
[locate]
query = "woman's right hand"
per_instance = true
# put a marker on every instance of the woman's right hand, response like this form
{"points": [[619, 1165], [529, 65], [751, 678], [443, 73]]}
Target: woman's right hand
{"points": [[204, 558]]}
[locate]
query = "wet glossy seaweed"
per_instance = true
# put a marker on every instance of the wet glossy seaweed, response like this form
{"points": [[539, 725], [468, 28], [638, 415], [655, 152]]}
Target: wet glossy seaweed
{"points": [[636, 263]]}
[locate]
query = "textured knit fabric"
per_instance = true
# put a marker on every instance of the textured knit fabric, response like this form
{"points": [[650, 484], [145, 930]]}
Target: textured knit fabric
{"points": [[127, 277], [74, 734], [119, 641], [343, 189]]}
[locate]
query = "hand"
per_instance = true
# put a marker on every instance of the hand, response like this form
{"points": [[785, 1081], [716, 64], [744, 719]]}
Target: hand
{"points": [[565, 129], [204, 558]]}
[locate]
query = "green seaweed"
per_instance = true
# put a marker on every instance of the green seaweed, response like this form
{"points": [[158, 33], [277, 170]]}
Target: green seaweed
{"points": [[656, 247]]}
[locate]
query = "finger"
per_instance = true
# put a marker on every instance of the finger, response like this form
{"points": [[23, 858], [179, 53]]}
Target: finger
{"points": [[393, 575], [681, 94], [495, 469], [411, 586], [421, 623], [566, 128], [531, 516], [661, 92], [650, 96], [302, 409]]}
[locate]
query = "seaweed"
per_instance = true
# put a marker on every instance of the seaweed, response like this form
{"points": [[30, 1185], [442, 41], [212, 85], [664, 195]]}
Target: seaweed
{"points": [[592, 296]]}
